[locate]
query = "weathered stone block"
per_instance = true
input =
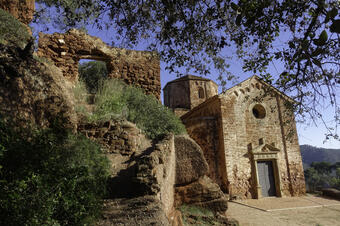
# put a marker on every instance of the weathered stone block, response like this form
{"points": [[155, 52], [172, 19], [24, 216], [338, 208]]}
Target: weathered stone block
{"points": [[190, 161]]}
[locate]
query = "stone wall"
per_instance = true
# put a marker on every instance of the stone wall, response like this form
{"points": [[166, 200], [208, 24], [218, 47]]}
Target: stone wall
{"points": [[140, 68], [156, 173], [119, 137], [243, 131], [203, 124], [23, 10]]}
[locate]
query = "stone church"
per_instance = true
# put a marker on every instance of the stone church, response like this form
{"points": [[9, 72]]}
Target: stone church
{"points": [[247, 133]]}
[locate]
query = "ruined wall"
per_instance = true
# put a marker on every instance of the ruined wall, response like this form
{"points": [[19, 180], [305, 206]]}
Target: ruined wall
{"points": [[243, 131], [23, 10], [156, 173], [203, 124], [115, 136], [140, 68]]}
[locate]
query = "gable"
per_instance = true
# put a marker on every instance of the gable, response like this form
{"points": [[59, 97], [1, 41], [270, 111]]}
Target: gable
{"points": [[252, 84]]}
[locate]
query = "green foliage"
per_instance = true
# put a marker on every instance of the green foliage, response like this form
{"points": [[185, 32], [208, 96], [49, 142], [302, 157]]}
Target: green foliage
{"points": [[93, 73], [12, 31], [43, 60], [322, 174], [51, 178], [116, 100]]}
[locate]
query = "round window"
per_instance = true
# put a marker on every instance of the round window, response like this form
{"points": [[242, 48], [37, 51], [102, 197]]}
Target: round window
{"points": [[259, 111]]}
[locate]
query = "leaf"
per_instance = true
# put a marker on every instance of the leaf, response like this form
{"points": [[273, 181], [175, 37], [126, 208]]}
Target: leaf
{"points": [[317, 52], [234, 6], [333, 13], [323, 37], [317, 62], [335, 27], [291, 44], [238, 20]]}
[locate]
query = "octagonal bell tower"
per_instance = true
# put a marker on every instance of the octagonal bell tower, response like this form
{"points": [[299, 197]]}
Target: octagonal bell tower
{"points": [[185, 93]]}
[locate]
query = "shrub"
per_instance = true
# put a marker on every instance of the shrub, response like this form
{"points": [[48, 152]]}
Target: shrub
{"points": [[93, 73], [12, 31], [51, 178], [116, 100]]}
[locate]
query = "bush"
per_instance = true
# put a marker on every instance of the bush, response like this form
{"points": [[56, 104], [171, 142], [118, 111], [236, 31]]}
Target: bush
{"points": [[93, 73], [116, 100], [51, 178], [12, 31]]}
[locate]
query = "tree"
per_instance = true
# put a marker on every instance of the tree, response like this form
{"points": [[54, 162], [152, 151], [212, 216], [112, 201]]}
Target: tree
{"points": [[195, 35]]}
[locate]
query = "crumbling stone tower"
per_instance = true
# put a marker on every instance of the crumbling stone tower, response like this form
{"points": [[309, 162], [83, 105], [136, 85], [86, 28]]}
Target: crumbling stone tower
{"points": [[185, 93]]}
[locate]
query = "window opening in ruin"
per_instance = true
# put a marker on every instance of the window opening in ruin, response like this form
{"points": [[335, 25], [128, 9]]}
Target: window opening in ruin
{"points": [[92, 73], [200, 93], [259, 111]]}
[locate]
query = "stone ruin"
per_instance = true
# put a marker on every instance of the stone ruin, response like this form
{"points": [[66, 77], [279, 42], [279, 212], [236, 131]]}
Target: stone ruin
{"points": [[23, 10], [140, 68]]}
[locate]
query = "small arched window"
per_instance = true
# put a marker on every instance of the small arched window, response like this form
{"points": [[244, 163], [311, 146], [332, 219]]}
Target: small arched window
{"points": [[200, 93]]}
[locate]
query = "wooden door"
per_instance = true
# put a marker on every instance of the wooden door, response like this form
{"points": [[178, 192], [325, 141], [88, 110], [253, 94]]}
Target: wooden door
{"points": [[266, 178]]}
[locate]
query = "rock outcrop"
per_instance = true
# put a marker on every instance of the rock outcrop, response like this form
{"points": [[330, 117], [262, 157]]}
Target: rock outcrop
{"points": [[204, 193], [140, 68], [33, 93], [190, 161], [142, 210], [193, 186]]}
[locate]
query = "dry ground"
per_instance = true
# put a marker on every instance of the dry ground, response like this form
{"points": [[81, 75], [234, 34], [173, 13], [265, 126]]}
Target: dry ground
{"points": [[306, 210]]}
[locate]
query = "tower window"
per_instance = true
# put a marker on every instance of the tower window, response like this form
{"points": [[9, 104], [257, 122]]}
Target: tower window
{"points": [[200, 93]]}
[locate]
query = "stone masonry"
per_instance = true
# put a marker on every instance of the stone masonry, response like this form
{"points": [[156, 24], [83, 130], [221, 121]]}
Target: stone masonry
{"points": [[23, 10], [239, 130], [140, 68]]}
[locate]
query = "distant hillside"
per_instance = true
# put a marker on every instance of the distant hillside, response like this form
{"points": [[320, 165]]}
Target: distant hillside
{"points": [[314, 154]]}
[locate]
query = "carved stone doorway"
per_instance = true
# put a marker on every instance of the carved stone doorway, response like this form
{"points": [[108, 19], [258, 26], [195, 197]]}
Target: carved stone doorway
{"points": [[266, 171]]}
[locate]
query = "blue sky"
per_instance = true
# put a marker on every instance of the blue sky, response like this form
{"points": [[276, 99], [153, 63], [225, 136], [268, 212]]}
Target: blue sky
{"points": [[308, 132]]}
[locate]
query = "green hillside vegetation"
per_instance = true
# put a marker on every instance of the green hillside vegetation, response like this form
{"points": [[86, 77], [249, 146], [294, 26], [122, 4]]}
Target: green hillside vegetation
{"points": [[322, 167], [12, 31], [116, 100], [322, 174], [51, 177]]}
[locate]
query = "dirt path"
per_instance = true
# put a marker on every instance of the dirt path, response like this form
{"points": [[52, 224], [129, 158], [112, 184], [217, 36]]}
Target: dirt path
{"points": [[322, 215]]}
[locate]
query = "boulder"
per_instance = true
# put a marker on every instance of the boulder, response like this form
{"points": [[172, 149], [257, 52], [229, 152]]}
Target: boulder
{"points": [[190, 161], [33, 93], [143, 210], [204, 193]]}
